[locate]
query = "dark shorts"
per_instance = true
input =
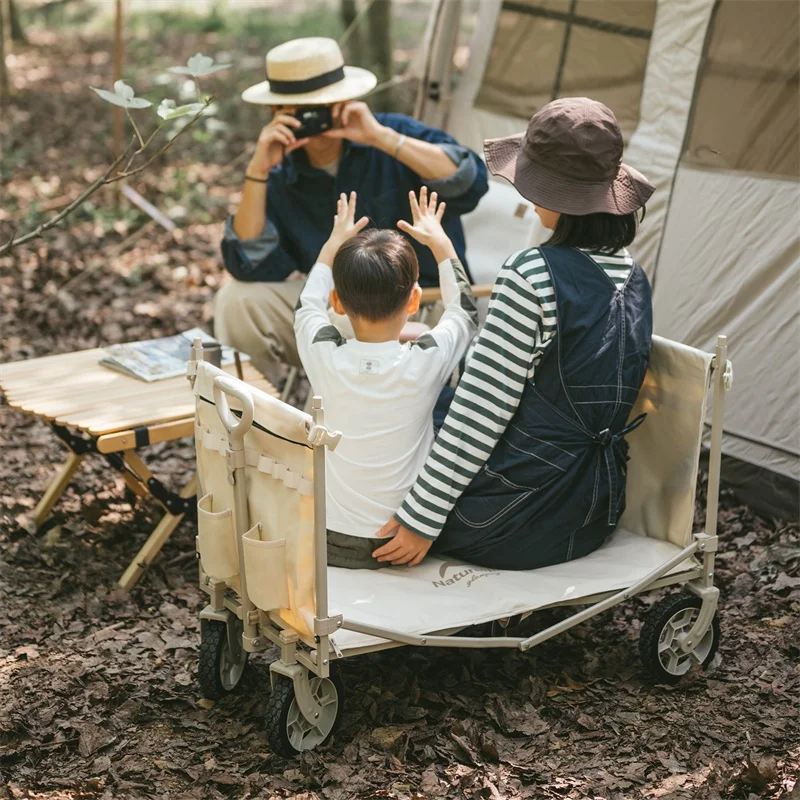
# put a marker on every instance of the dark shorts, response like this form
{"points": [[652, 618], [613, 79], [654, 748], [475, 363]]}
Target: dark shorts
{"points": [[352, 552]]}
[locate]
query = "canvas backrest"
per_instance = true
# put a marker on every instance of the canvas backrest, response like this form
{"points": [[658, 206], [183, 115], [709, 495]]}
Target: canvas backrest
{"points": [[278, 541], [665, 449]]}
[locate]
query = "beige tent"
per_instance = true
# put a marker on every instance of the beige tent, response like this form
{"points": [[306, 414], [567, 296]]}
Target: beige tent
{"points": [[707, 95]]}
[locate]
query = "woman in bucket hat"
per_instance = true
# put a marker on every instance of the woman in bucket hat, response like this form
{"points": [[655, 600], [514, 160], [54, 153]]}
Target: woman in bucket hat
{"points": [[292, 182], [529, 467]]}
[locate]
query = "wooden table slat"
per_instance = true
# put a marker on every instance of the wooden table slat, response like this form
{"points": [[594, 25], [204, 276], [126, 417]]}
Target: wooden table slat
{"points": [[51, 408], [96, 387], [74, 389], [99, 426], [60, 363]]}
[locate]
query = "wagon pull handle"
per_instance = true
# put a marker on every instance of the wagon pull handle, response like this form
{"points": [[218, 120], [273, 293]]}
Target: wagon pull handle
{"points": [[236, 427]]}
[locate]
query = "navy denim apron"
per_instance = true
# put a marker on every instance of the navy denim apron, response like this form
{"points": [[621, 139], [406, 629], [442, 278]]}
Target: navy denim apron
{"points": [[554, 485]]}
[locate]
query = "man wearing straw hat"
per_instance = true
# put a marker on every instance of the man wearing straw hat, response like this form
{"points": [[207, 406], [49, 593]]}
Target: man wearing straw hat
{"points": [[293, 180]]}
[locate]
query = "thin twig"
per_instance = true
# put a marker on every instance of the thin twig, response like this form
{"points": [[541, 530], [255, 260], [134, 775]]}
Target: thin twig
{"points": [[106, 178], [138, 135], [166, 146], [150, 138], [88, 192]]}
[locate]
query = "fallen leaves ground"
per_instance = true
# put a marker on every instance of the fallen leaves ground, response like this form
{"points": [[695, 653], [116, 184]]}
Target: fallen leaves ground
{"points": [[98, 697]]}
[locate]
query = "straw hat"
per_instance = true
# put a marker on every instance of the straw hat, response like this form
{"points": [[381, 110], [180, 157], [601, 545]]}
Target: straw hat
{"points": [[308, 72], [570, 160]]}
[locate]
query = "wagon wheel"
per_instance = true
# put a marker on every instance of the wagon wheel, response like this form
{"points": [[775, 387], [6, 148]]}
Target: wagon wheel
{"points": [[665, 623], [288, 731], [222, 657]]}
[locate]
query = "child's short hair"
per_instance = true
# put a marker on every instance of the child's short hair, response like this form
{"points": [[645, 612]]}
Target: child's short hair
{"points": [[374, 273], [601, 232]]}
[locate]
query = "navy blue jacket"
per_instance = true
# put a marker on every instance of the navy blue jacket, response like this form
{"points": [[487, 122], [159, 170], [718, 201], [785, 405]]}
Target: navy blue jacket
{"points": [[301, 202]]}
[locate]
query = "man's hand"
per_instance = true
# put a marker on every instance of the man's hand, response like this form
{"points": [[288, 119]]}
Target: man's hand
{"points": [[427, 225], [344, 227], [405, 548], [355, 121], [274, 142]]}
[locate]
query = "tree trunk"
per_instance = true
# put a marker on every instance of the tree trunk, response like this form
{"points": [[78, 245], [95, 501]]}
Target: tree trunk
{"points": [[379, 26], [17, 33], [354, 44], [5, 87]]}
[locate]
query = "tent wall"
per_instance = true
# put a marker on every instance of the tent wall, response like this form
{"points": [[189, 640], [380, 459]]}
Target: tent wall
{"points": [[719, 90], [746, 114], [729, 264], [655, 148]]}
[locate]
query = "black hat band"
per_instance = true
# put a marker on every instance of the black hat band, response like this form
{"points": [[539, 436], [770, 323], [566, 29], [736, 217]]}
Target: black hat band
{"points": [[307, 85]]}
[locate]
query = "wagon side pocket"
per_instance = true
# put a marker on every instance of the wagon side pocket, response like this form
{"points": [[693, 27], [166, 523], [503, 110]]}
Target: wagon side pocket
{"points": [[265, 570], [217, 540]]}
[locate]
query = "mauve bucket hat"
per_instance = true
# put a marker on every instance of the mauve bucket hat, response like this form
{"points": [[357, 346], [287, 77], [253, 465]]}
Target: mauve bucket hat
{"points": [[569, 160]]}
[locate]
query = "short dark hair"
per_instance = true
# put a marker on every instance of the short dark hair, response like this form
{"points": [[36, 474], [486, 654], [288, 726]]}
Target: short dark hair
{"points": [[374, 273], [601, 232]]}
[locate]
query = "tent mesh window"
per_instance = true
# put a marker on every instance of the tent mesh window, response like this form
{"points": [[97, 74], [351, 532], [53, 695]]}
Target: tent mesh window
{"points": [[545, 49], [745, 115]]}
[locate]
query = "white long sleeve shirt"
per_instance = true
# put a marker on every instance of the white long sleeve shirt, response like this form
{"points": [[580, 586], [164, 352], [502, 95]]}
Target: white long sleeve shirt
{"points": [[380, 396]]}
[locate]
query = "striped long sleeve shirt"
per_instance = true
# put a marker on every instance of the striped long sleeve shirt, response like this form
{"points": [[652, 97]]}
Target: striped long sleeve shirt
{"points": [[520, 324]]}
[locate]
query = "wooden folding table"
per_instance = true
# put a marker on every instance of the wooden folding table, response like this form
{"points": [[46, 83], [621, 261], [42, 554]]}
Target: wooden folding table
{"points": [[94, 409]]}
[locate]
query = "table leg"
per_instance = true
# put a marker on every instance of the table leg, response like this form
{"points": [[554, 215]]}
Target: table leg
{"points": [[55, 489], [157, 539]]}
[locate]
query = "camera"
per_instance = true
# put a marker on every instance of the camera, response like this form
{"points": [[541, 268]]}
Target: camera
{"points": [[314, 119]]}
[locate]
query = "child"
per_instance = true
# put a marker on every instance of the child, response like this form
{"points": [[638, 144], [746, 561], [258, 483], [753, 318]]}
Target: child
{"points": [[378, 392], [530, 465]]}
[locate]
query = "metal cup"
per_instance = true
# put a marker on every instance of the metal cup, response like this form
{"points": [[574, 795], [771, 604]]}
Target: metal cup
{"points": [[212, 352]]}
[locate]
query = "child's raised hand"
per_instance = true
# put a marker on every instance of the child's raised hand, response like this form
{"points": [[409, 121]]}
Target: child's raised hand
{"points": [[344, 227], [427, 229], [344, 224]]}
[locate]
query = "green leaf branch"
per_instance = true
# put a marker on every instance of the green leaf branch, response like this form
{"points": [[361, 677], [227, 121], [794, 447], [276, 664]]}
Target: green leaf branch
{"points": [[125, 97]]}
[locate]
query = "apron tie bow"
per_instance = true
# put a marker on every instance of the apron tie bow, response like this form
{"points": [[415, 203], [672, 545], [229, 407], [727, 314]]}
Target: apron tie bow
{"points": [[612, 449]]}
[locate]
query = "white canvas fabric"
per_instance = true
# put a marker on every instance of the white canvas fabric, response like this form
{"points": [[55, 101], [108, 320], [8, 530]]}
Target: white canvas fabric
{"points": [[665, 448], [502, 219], [279, 480], [742, 280], [444, 595]]}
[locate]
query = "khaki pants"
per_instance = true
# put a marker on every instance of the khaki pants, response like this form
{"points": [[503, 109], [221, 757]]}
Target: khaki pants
{"points": [[258, 319]]}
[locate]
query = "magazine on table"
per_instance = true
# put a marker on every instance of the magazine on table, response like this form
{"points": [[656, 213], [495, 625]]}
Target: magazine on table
{"points": [[158, 359]]}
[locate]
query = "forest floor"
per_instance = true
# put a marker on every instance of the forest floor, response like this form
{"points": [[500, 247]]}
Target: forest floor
{"points": [[98, 696]]}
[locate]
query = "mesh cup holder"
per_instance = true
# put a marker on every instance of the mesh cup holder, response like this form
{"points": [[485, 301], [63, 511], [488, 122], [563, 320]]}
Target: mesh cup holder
{"points": [[217, 540], [265, 570]]}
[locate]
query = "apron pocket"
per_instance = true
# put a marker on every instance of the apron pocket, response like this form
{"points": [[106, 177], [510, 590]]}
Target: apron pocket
{"points": [[265, 570], [216, 540], [525, 462], [482, 511]]}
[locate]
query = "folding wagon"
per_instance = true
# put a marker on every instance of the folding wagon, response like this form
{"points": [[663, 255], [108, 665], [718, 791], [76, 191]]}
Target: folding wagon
{"points": [[262, 546]]}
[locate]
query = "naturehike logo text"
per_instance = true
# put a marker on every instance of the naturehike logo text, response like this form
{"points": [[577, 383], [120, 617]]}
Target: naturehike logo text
{"points": [[472, 574]]}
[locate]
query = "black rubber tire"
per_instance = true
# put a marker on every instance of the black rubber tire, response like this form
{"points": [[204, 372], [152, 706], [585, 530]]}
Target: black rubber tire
{"points": [[654, 623], [213, 640], [280, 701]]}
